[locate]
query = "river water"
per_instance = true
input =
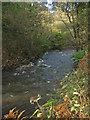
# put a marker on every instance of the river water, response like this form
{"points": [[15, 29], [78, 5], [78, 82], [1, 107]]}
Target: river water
{"points": [[33, 79]]}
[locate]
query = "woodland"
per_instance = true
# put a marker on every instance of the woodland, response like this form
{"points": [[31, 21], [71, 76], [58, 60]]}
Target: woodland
{"points": [[31, 29]]}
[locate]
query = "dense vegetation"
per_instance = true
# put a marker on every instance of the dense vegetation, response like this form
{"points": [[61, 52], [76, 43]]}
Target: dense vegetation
{"points": [[28, 31], [23, 38], [71, 98]]}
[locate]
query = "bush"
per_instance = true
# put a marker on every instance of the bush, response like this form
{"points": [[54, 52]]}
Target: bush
{"points": [[79, 55], [59, 39]]}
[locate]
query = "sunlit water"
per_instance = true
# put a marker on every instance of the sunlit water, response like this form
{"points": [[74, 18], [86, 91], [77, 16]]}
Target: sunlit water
{"points": [[33, 79]]}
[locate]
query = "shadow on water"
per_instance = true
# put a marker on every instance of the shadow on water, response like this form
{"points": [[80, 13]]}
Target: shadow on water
{"points": [[33, 79]]}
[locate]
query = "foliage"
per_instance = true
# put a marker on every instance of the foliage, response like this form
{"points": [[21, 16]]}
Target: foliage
{"points": [[77, 84], [28, 31], [24, 38], [71, 96], [79, 27], [79, 55], [59, 39], [14, 115]]}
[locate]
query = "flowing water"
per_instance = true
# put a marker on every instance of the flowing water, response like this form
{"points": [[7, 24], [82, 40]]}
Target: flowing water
{"points": [[33, 79]]}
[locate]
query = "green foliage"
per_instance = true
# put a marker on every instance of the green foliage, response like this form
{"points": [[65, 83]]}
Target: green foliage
{"points": [[46, 43], [24, 37], [71, 95], [28, 31], [79, 55], [59, 39], [44, 111], [78, 92]]}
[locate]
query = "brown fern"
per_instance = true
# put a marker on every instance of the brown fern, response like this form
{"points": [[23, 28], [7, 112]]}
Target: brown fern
{"points": [[14, 114], [62, 110]]}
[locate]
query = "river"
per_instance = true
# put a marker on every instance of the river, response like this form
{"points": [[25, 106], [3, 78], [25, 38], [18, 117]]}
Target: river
{"points": [[35, 78]]}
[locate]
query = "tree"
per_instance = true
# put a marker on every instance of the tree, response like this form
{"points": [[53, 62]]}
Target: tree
{"points": [[77, 15], [24, 35]]}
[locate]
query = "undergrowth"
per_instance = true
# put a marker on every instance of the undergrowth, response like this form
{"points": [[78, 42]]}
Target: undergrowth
{"points": [[71, 96], [79, 55]]}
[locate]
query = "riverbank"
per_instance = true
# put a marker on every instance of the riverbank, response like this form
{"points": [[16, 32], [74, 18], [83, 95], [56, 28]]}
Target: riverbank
{"points": [[30, 80], [71, 98], [13, 64]]}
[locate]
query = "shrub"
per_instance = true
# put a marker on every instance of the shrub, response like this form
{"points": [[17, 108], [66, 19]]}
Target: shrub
{"points": [[79, 55]]}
